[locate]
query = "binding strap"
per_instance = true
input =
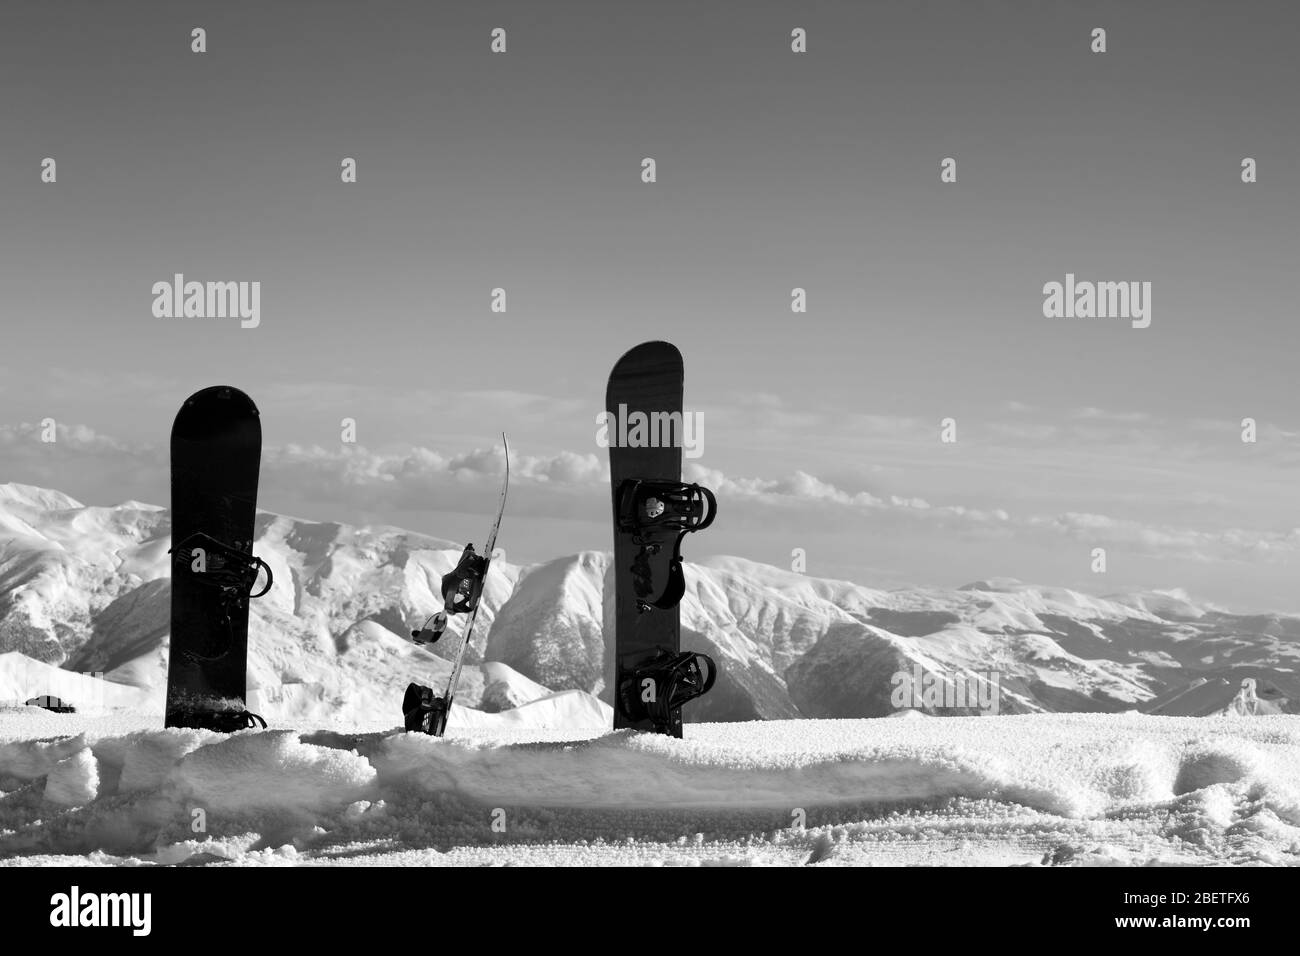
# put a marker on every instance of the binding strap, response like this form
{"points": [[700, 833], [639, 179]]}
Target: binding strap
{"points": [[234, 575], [237, 572], [655, 512], [678, 679]]}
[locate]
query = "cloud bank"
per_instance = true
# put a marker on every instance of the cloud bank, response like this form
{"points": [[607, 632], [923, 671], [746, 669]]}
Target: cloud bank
{"points": [[358, 479]]}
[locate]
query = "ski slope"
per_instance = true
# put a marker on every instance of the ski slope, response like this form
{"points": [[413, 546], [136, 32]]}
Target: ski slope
{"points": [[1041, 789]]}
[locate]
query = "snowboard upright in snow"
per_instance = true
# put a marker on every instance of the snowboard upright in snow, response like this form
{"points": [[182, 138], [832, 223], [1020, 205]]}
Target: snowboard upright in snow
{"points": [[462, 587], [653, 511], [216, 447]]}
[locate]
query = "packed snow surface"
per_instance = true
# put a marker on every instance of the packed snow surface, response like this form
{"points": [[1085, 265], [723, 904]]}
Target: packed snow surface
{"points": [[1054, 789]]}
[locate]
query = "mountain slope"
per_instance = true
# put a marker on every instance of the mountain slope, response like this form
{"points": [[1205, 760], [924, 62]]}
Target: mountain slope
{"points": [[88, 588]]}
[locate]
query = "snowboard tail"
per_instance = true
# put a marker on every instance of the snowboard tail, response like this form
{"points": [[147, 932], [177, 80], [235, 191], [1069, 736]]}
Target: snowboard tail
{"points": [[216, 444]]}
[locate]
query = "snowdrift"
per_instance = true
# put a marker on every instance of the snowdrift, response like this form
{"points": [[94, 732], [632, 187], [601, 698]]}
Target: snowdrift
{"points": [[22, 678], [1082, 788]]}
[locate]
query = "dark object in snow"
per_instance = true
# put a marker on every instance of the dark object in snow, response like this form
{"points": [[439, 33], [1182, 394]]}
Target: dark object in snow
{"points": [[657, 515], [424, 711], [216, 448], [55, 704], [655, 687], [430, 635], [653, 510]]}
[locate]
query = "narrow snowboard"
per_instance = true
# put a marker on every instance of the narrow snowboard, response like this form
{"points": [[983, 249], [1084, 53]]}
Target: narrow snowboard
{"points": [[216, 447], [462, 588], [644, 387]]}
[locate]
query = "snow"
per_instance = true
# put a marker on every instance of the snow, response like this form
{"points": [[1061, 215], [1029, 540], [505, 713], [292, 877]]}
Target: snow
{"points": [[271, 771], [15, 496], [1057, 789], [74, 780], [1173, 604], [22, 678], [86, 589], [1205, 698]]}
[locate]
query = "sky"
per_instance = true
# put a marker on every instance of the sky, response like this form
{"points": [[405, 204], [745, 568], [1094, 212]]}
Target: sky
{"points": [[775, 170]]}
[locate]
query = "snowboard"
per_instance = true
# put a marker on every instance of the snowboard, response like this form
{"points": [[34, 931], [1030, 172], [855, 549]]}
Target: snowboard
{"points": [[462, 587], [216, 447], [652, 511]]}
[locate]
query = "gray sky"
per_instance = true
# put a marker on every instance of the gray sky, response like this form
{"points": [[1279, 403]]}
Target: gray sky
{"points": [[775, 170]]}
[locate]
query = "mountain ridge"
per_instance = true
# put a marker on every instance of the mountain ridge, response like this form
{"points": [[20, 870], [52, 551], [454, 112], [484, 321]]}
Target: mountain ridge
{"points": [[87, 588]]}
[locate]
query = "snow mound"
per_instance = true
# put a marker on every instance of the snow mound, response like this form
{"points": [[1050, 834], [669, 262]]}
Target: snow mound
{"points": [[569, 710], [73, 781], [1050, 789], [504, 688], [22, 678], [273, 770]]}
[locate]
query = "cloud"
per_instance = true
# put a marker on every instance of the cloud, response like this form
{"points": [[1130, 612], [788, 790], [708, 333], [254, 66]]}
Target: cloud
{"points": [[343, 480], [1100, 414], [1024, 431], [81, 462], [1135, 537], [25, 436], [356, 464], [801, 488], [416, 478], [522, 409]]}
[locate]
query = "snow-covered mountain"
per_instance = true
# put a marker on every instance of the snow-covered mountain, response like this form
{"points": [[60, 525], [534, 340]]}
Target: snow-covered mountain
{"points": [[87, 589]]}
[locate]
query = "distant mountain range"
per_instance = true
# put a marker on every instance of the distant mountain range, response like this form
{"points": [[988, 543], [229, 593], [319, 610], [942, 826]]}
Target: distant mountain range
{"points": [[87, 589]]}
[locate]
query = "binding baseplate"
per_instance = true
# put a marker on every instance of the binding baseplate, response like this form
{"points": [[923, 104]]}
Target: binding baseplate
{"points": [[658, 514], [463, 585], [424, 710], [656, 687]]}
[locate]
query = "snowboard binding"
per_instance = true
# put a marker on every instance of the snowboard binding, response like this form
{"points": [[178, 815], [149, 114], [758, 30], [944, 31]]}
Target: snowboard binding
{"points": [[229, 721], [232, 572], [656, 687], [463, 585], [235, 572], [430, 635], [423, 711], [655, 514], [222, 720]]}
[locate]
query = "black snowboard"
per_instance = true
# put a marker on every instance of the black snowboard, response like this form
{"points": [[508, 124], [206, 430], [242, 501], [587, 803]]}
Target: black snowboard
{"points": [[216, 447], [646, 380]]}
